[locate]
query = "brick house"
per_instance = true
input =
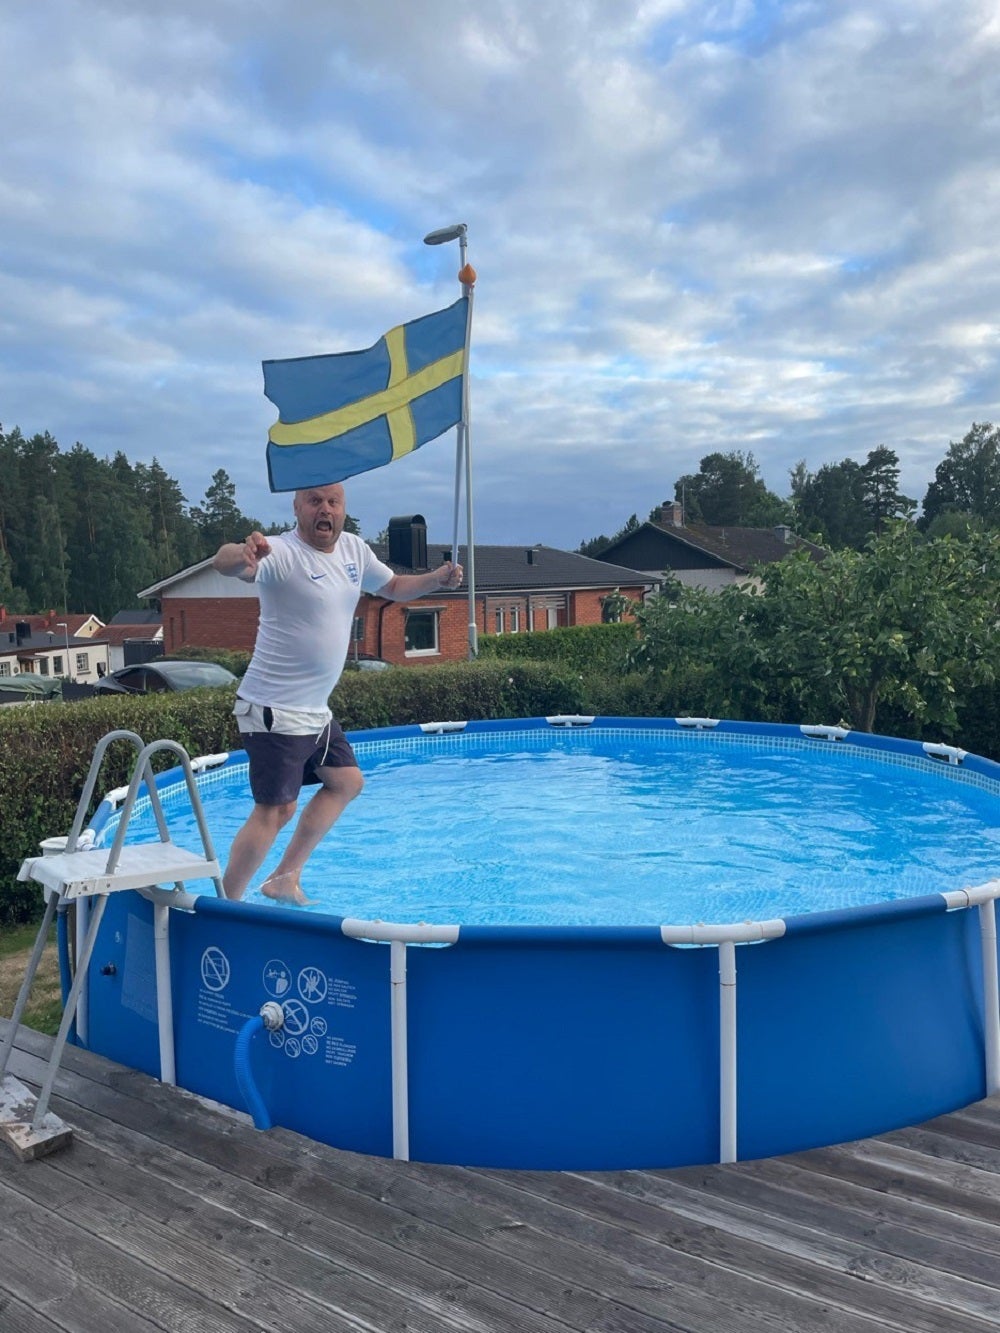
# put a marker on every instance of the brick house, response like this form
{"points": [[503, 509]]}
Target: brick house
{"points": [[702, 556], [518, 590]]}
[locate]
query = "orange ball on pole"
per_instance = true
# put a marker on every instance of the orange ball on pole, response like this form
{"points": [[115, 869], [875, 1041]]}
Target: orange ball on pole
{"points": [[467, 275]]}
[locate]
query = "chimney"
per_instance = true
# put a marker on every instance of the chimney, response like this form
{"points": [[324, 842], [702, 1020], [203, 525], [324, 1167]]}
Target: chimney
{"points": [[408, 541], [530, 555], [672, 513], [783, 533]]}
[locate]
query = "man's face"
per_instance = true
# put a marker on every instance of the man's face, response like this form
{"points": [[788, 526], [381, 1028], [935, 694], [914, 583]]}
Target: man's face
{"points": [[320, 513]]}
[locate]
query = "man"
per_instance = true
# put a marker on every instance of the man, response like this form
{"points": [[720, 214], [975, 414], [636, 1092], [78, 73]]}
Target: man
{"points": [[309, 581]]}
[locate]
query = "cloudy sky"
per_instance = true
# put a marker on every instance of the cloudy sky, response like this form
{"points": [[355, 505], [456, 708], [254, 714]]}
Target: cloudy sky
{"points": [[698, 226]]}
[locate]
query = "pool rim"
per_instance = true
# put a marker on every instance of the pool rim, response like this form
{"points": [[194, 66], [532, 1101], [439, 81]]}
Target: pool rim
{"points": [[931, 757]]}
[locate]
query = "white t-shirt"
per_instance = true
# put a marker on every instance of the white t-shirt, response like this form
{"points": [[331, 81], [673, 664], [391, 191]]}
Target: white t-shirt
{"points": [[307, 602]]}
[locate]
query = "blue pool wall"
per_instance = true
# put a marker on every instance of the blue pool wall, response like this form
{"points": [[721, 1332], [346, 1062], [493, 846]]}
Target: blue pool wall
{"points": [[577, 1048]]}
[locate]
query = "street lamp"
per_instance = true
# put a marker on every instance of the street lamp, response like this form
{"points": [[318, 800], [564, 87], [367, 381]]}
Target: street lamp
{"points": [[458, 231], [61, 624]]}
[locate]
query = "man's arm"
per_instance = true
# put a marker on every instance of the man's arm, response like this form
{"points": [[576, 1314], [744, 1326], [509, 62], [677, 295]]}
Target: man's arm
{"points": [[408, 587], [239, 560]]}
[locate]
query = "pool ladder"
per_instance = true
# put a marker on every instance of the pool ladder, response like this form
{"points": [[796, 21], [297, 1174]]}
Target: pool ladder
{"points": [[81, 872]]}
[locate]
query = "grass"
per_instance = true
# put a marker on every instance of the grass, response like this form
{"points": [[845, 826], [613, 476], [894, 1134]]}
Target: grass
{"points": [[45, 1002]]}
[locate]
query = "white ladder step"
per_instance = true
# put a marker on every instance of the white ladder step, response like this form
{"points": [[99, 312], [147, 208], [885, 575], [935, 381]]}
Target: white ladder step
{"points": [[79, 874]]}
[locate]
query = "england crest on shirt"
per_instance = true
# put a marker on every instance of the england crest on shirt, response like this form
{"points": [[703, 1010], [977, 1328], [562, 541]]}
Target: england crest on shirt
{"points": [[352, 571]]}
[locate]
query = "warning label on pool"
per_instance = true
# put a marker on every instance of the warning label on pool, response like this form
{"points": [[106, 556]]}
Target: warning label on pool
{"points": [[307, 997]]}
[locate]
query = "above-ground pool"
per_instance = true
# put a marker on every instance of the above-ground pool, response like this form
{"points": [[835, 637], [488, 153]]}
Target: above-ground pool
{"points": [[821, 974]]}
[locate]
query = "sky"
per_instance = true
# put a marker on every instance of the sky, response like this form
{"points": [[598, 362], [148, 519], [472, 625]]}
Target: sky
{"points": [[698, 227]]}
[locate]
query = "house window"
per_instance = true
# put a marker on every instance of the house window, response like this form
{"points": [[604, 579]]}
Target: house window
{"points": [[422, 633], [515, 619], [551, 617], [43, 666], [4, 668], [57, 666], [83, 664], [498, 620], [358, 629]]}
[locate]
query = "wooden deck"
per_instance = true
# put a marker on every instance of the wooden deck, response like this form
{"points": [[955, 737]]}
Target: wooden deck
{"points": [[166, 1213]]}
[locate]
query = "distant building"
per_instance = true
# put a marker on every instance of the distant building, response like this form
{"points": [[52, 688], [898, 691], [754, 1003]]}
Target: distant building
{"points": [[518, 590], [700, 555], [70, 646]]}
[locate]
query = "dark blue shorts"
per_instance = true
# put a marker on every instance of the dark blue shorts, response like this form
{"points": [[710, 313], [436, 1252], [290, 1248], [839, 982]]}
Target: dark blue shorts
{"points": [[280, 766]]}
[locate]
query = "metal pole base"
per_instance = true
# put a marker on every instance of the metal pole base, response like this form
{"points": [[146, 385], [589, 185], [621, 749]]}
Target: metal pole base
{"points": [[17, 1110]]}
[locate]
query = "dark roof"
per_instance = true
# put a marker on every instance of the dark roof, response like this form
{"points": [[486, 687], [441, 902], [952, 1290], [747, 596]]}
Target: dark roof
{"points": [[146, 617], [122, 634], [528, 568], [45, 641], [651, 545], [505, 567]]}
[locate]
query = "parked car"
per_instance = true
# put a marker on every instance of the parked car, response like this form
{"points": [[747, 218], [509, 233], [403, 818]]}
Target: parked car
{"points": [[365, 662], [156, 677], [25, 687]]}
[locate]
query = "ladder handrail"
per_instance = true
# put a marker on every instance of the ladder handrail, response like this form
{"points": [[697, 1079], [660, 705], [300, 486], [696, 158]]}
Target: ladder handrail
{"points": [[143, 772], [88, 787]]}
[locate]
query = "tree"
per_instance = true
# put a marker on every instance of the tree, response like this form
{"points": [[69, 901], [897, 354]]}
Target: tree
{"points": [[728, 491], [907, 621], [879, 488], [967, 480], [174, 535], [703, 648], [221, 519], [845, 502], [830, 504], [596, 545]]}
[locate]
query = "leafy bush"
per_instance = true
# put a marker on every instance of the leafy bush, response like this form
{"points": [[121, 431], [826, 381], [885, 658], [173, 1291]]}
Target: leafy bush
{"points": [[587, 648]]}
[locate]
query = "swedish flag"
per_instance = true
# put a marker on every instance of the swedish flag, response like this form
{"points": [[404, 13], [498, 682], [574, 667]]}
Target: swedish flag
{"points": [[346, 413]]}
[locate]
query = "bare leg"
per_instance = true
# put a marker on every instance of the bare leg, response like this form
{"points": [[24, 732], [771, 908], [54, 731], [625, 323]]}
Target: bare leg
{"points": [[340, 786], [252, 844]]}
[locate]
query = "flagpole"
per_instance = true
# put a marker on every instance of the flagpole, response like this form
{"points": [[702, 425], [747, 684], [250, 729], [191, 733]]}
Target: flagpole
{"points": [[463, 445]]}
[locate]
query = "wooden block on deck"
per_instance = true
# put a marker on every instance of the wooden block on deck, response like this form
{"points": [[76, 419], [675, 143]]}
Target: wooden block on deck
{"points": [[17, 1110]]}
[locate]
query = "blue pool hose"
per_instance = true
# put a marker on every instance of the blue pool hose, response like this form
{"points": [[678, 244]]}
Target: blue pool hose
{"points": [[271, 1017]]}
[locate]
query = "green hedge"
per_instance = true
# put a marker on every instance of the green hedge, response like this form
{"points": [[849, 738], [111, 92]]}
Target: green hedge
{"points": [[589, 648]]}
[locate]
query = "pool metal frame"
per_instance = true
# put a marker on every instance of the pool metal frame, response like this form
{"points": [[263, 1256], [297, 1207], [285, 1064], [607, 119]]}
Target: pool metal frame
{"points": [[724, 938]]}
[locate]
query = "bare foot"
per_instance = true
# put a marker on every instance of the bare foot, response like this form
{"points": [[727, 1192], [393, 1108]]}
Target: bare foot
{"points": [[285, 888]]}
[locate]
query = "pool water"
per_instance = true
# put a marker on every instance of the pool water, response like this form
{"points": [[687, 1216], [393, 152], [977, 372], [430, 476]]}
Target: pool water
{"points": [[605, 830]]}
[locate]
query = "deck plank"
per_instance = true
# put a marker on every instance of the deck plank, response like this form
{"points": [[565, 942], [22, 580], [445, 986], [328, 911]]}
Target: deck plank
{"points": [[170, 1213]]}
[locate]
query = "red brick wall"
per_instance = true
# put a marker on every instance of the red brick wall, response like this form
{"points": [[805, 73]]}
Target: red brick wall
{"points": [[231, 622], [209, 622]]}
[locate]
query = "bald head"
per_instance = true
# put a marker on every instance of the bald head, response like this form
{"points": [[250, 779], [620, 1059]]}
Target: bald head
{"points": [[320, 512]]}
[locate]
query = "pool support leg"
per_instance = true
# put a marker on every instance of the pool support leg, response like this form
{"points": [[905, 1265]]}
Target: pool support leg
{"points": [[164, 993], [400, 1070], [991, 994], [727, 1051]]}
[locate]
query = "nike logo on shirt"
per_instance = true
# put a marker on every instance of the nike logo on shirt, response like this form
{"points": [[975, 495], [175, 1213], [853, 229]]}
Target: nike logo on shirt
{"points": [[314, 577]]}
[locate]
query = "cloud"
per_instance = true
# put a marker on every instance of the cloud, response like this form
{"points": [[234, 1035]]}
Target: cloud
{"points": [[746, 225]]}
